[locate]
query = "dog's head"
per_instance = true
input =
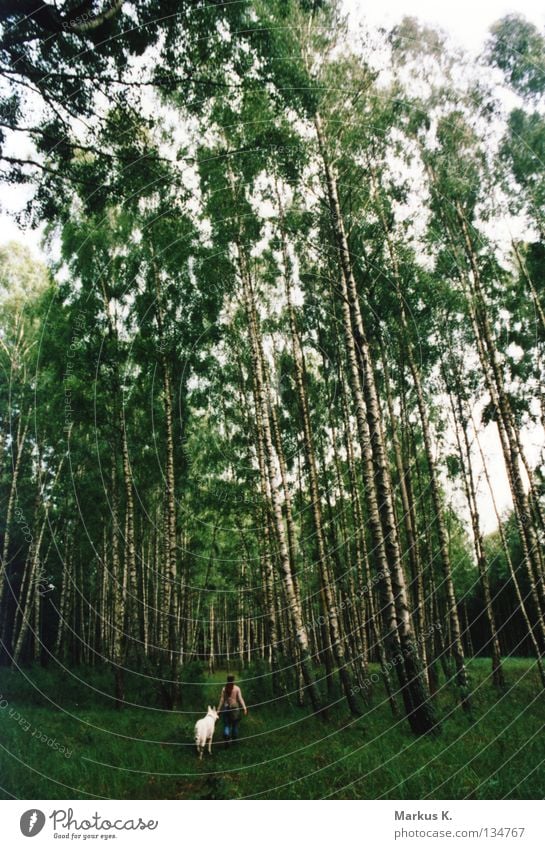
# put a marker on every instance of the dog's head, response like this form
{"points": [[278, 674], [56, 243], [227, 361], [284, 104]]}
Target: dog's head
{"points": [[213, 713]]}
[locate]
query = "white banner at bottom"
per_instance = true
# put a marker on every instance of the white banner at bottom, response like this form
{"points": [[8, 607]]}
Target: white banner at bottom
{"points": [[270, 824]]}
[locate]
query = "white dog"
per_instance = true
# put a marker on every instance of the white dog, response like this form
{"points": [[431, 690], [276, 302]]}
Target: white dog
{"points": [[204, 731]]}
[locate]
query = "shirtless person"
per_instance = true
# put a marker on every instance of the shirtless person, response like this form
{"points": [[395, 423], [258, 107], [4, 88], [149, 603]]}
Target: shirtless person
{"points": [[229, 708]]}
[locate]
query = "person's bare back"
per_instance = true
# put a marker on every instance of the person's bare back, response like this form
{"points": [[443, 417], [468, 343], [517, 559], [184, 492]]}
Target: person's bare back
{"points": [[234, 699]]}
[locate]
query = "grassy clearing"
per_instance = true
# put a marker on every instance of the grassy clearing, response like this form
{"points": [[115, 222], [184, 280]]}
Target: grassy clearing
{"points": [[148, 753]]}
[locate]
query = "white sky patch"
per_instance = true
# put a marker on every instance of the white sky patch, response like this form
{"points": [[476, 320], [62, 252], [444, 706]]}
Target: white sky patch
{"points": [[466, 22]]}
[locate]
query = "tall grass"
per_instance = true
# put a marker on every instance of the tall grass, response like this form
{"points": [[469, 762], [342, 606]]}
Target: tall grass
{"points": [[147, 752]]}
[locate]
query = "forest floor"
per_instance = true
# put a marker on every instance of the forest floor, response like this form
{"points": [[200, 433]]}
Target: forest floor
{"points": [[60, 739]]}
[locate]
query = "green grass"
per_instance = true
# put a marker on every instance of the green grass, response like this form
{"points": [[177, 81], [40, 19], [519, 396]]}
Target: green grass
{"points": [[148, 753]]}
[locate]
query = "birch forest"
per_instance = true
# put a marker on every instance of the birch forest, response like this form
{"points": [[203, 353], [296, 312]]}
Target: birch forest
{"points": [[272, 392]]}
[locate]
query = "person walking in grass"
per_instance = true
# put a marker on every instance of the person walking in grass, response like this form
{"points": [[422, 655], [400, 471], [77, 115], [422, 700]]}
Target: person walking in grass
{"points": [[229, 706]]}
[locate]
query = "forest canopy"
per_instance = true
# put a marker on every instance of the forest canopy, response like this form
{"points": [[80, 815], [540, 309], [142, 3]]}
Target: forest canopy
{"points": [[294, 291]]}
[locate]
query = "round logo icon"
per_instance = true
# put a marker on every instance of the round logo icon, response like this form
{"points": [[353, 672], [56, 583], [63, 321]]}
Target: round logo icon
{"points": [[32, 822]]}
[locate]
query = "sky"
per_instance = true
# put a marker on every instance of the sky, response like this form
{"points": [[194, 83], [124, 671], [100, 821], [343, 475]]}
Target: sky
{"points": [[467, 22]]}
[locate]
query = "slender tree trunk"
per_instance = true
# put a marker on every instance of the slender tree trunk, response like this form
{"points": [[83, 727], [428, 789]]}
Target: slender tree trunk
{"points": [[12, 498], [133, 606], [464, 451], [520, 600], [173, 631], [471, 282], [64, 603], [262, 404], [119, 598], [457, 646], [328, 597], [413, 549], [420, 712]]}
